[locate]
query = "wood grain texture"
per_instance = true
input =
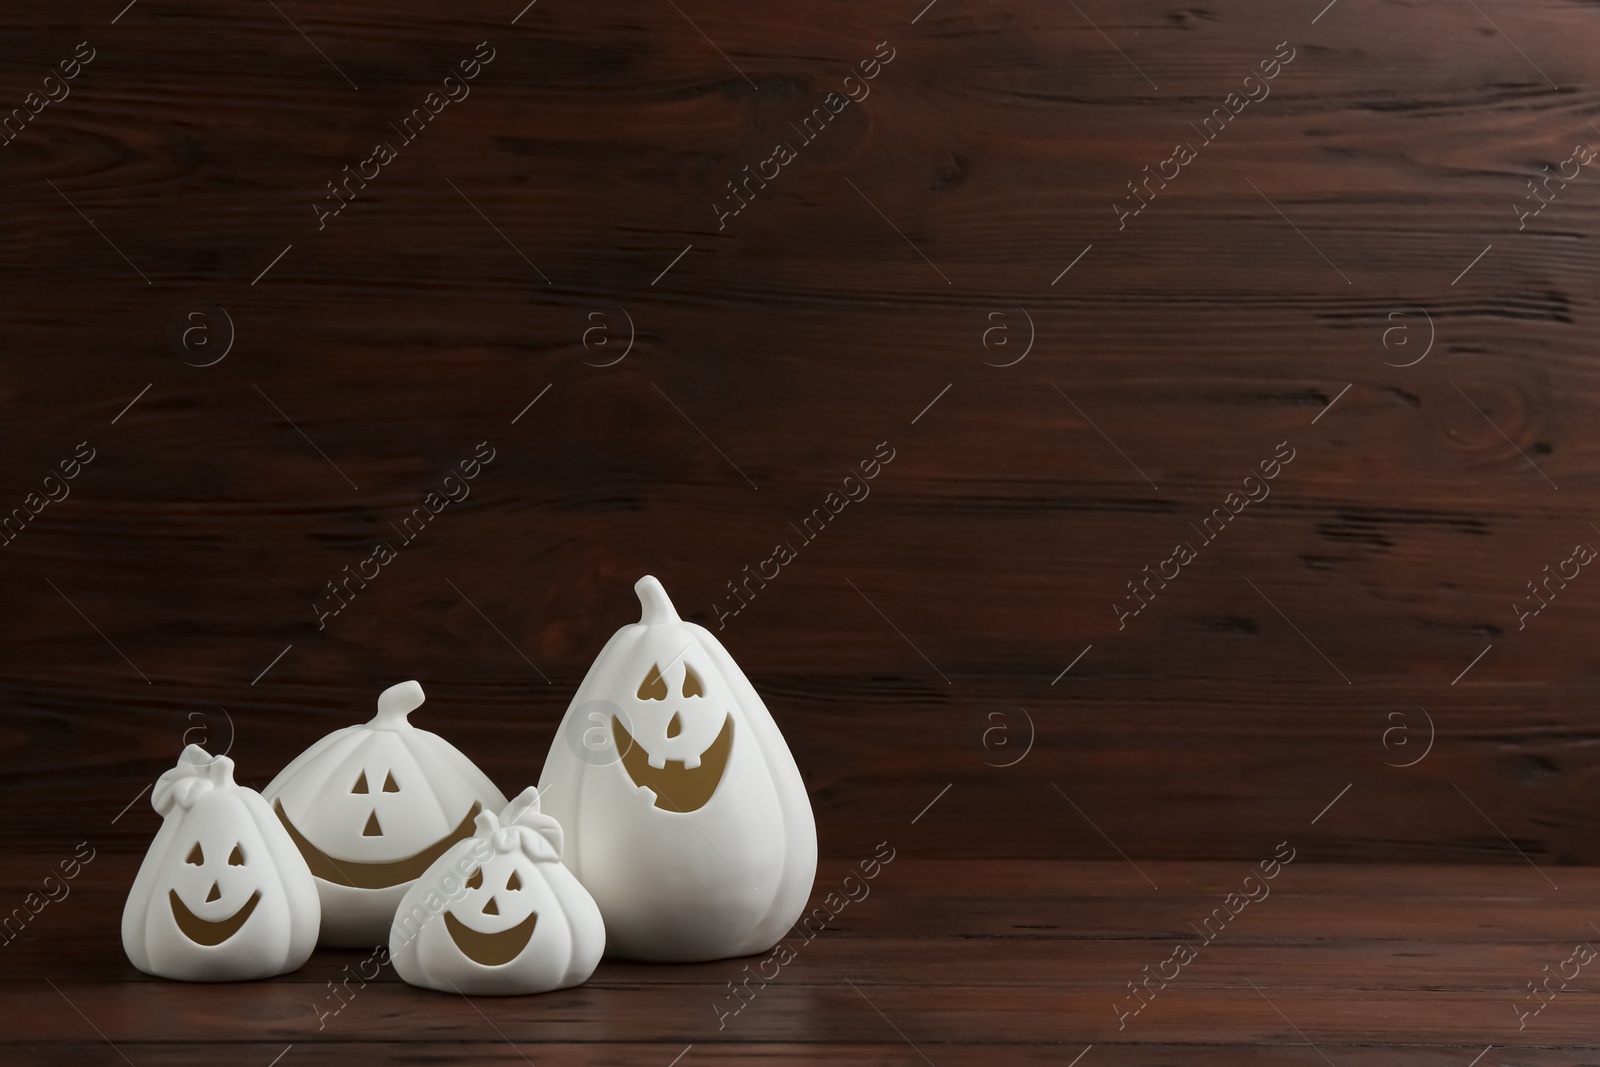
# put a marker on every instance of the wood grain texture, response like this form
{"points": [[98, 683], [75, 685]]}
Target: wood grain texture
{"points": [[997, 961], [1251, 303]]}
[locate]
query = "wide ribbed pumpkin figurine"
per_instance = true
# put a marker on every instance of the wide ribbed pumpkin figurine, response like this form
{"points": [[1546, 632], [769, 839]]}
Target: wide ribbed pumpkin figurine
{"points": [[371, 807], [685, 815]]}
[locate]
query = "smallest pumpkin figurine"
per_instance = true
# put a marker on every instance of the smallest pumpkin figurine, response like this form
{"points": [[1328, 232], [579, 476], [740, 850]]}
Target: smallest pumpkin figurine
{"points": [[498, 913], [223, 894]]}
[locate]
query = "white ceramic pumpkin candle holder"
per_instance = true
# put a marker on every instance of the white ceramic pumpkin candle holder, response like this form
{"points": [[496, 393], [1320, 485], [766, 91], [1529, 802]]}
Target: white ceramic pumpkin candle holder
{"points": [[371, 807], [498, 913], [223, 894], [685, 814]]}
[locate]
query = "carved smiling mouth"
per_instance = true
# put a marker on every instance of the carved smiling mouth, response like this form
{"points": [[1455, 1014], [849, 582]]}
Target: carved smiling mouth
{"points": [[360, 875], [204, 931], [491, 950], [676, 787]]}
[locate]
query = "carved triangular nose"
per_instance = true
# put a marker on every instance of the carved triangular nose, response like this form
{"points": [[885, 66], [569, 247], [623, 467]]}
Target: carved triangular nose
{"points": [[674, 726], [215, 894], [372, 829], [491, 908]]}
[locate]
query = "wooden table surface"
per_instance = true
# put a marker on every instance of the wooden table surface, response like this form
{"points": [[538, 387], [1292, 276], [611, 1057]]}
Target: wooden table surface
{"points": [[942, 961]]}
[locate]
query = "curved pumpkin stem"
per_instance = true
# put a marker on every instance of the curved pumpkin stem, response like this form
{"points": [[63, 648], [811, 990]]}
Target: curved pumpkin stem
{"points": [[654, 606], [395, 703]]}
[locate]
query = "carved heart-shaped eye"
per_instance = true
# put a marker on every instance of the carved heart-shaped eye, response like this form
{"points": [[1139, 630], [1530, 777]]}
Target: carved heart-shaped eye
{"points": [[654, 687], [692, 686], [513, 882], [195, 856], [476, 880], [236, 857]]}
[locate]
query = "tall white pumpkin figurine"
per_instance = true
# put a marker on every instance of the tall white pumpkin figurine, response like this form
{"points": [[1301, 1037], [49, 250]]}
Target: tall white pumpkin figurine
{"points": [[222, 894], [684, 812], [371, 807], [498, 913]]}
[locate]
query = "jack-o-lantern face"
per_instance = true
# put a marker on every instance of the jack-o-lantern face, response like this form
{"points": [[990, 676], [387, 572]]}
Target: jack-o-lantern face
{"points": [[222, 894], [371, 807], [681, 737], [507, 910], [498, 913], [374, 874], [198, 928]]}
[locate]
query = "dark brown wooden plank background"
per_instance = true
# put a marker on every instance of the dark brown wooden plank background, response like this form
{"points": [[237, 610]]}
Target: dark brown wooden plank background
{"points": [[1224, 319], [1341, 270]]}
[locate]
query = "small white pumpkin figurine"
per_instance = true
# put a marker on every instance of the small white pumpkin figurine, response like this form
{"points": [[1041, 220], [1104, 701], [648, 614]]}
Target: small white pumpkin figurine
{"points": [[686, 816], [371, 807], [223, 894], [498, 913]]}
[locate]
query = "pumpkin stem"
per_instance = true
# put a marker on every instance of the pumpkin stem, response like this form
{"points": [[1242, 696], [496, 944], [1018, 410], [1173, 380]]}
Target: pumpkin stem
{"points": [[395, 703], [195, 755], [654, 606], [525, 801], [217, 768]]}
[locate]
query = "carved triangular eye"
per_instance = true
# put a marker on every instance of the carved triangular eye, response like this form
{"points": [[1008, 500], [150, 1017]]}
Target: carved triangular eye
{"points": [[195, 856], [654, 687], [388, 784], [361, 784], [476, 881], [513, 882], [236, 857], [692, 686]]}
